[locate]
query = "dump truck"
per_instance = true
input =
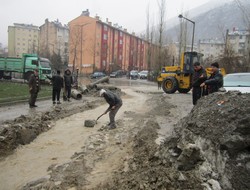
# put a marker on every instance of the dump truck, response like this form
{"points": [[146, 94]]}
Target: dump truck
{"points": [[179, 78], [24, 66]]}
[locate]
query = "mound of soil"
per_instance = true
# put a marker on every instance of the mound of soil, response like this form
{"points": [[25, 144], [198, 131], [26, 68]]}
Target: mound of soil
{"points": [[210, 149]]}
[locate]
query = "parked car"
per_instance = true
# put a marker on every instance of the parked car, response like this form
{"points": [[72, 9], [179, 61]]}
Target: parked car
{"points": [[134, 74], [143, 74], [96, 75], [237, 81], [116, 74]]}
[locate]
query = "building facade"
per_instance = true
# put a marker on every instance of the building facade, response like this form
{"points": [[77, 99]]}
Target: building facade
{"points": [[97, 45], [239, 42], [54, 38], [22, 38], [211, 49]]}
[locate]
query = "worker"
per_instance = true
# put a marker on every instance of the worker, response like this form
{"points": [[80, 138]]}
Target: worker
{"points": [[215, 81], [34, 87], [199, 77], [57, 82], [68, 82], [115, 104]]}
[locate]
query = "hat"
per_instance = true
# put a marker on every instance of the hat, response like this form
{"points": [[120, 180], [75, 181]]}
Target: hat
{"points": [[215, 64], [102, 91], [197, 64]]}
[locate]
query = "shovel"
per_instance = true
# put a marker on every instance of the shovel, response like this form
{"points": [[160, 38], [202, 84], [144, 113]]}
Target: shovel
{"points": [[99, 117]]}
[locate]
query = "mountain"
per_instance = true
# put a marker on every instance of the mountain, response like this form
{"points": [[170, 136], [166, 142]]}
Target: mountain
{"points": [[211, 20]]}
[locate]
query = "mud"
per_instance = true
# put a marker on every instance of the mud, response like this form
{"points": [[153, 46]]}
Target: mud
{"points": [[207, 149]]}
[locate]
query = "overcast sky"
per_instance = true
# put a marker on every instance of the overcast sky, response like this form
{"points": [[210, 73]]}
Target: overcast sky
{"points": [[130, 14]]}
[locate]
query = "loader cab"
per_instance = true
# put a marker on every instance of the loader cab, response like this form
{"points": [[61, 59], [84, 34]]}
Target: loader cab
{"points": [[188, 60]]}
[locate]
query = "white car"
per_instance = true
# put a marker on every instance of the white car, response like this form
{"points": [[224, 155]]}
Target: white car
{"points": [[143, 74], [237, 81]]}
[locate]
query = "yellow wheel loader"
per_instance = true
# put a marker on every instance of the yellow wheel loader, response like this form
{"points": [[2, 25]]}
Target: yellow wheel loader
{"points": [[179, 78]]}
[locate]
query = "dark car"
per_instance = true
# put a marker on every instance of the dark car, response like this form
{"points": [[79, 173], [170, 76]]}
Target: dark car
{"points": [[116, 74], [96, 75], [134, 74]]}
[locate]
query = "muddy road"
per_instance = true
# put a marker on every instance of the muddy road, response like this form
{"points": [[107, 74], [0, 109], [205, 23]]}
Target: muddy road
{"points": [[71, 156]]}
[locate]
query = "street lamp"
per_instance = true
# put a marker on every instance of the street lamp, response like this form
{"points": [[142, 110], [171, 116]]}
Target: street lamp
{"points": [[181, 16]]}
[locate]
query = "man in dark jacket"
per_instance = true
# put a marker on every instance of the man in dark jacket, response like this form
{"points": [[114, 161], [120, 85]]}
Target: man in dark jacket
{"points": [[199, 77], [68, 82], [215, 81], [34, 87], [57, 82], [115, 104]]}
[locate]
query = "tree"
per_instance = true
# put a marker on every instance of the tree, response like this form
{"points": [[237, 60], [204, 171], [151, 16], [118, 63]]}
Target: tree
{"points": [[161, 29], [56, 61], [75, 41], [244, 6]]}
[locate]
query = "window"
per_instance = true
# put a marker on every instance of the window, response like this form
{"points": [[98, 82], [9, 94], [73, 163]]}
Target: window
{"points": [[105, 28], [120, 42], [105, 36]]}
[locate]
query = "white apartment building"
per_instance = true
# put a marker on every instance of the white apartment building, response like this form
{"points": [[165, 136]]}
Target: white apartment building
{"points": [[22, 38], [239, 41], [211, 49]]}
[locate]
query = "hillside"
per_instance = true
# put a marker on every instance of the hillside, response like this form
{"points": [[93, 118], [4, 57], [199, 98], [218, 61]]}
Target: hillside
{"points": [[211, 23]]}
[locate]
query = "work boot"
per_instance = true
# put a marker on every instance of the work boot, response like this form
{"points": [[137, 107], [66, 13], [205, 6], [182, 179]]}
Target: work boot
{"points": [[54, 102], [112, 127], [58, 102]]}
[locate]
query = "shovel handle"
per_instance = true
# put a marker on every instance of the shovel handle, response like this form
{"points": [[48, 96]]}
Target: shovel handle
{"points": [[100, 116]]}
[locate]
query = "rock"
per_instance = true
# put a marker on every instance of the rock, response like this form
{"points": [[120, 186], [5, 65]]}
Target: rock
{"points": [[58, 183], [89, 123], [182, 177], [215, 184], [2, 138]]}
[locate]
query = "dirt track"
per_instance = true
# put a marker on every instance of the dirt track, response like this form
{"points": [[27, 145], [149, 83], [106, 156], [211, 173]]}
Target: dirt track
{"points": [[53, 158], [152, 148]]}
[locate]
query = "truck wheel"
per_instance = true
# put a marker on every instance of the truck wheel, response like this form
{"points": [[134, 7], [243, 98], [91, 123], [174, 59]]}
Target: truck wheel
{"points": [[181, 90], [170, 85]]}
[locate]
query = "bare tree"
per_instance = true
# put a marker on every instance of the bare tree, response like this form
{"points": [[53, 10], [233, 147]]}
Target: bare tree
{"points": [[75, 42], [161, 29], [245, 9]]}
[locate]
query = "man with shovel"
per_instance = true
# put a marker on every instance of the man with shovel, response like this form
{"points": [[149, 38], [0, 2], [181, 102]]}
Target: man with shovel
{"points": [[114, 102]]}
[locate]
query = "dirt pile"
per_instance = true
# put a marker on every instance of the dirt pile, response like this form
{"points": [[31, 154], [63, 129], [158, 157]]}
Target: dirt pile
{"points": [[210, 149]]}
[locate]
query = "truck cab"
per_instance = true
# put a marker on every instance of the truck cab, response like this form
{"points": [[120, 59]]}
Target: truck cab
{"points": [[12, 66]]}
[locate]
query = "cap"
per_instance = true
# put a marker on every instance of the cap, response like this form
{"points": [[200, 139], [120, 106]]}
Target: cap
{"points": [[215, 64], [102, 91]]}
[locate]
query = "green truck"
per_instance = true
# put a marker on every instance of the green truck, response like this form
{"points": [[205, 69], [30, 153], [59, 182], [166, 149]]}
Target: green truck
{"points": [[12, 66]]}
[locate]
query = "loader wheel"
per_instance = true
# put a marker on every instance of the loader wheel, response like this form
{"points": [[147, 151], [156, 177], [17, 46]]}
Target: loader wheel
{"points": [[181, 90], [170, 85]]}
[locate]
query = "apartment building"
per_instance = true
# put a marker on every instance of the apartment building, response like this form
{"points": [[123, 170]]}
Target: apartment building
{"points": [[101, 45], [54, 38], [211, 48], [22, 38], [239, 42]]}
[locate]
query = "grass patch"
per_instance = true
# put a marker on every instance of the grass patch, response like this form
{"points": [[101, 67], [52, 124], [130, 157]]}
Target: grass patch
{"points": [[10, 91]]}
